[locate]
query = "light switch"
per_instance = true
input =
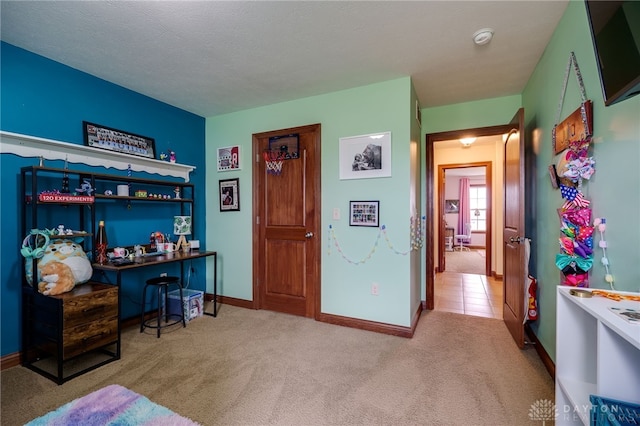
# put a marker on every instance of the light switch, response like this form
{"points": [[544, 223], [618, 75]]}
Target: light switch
{"points": [[336, 213]]}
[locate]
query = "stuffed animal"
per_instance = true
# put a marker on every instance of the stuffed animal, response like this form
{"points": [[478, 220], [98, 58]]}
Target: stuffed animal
{"points": [[57, 278], [62, 266]]}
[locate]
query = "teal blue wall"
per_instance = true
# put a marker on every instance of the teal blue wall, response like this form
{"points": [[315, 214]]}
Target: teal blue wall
{"points": [[613, 189], [346, 288], [43, 98]]}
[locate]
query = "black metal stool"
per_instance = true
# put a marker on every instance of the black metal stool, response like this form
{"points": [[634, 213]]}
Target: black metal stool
{"points": [[162, 283]]}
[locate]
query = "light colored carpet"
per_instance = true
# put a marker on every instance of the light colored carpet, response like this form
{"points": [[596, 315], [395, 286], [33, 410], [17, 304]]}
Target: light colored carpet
{"points": [[468, 262], [250, 367]]}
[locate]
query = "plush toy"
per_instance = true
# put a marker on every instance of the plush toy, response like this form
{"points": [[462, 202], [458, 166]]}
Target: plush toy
{"points": [[56, 278], [62, 266]]}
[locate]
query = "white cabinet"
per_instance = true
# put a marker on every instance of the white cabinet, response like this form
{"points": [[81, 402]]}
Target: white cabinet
{"points": [[597, 352]]}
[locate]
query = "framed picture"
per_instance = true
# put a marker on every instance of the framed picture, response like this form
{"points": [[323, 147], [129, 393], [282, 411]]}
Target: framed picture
{"points": [[229, 195], [366, 156], [364, 213], [553, 175], [228, 158], [451, 206], [103, 137]]}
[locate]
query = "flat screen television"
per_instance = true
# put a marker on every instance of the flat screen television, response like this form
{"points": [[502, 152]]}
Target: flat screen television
{"points": [[615, 30]]}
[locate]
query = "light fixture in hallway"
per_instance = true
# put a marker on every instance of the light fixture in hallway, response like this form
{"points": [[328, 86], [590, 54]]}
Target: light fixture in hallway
{"points": [[467, 141]]}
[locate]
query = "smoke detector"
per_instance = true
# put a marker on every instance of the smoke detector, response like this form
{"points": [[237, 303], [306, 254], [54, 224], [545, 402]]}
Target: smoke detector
{"points": [[483, 36]]}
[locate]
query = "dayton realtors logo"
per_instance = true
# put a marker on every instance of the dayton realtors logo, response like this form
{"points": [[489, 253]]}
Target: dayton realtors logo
{"points": [[543, 410]]}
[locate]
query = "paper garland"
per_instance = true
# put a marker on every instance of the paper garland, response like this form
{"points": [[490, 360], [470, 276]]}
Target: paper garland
{"points": [[417, 239]]}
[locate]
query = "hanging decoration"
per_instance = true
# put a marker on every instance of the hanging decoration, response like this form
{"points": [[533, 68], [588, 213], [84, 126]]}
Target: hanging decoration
{"points": [[572, 140], [601, 224], [417, 239]]}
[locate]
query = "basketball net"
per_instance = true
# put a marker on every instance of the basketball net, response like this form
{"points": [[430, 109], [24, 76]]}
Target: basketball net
{"points": [[273, 160]]}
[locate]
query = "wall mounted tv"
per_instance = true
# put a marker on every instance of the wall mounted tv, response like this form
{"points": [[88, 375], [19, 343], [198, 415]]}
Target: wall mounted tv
{"points": [[615, 30]]}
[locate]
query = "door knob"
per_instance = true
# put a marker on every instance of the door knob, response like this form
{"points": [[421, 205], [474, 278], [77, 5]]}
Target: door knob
{"points": [[515, 240], [308, 235]]}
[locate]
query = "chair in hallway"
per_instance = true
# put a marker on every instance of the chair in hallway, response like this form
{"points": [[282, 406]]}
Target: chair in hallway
{"points": [[463, 239]]}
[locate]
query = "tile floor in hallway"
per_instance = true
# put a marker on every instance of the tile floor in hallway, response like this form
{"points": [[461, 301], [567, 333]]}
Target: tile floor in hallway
{"points": [[468, 294]]}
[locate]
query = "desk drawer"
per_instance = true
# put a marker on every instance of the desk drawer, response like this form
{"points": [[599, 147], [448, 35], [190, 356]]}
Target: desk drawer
{"points": [[91, 306], [86, 337]]}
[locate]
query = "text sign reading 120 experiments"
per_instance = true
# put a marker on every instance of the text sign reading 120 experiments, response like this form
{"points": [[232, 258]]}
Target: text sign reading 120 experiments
{"points": [[57, 197]]}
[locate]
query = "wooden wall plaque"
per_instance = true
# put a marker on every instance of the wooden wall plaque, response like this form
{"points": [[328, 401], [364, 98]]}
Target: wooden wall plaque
{"points": [[577, 126]]}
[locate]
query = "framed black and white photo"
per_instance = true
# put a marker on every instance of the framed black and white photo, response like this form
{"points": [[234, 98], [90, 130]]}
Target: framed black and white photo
{"points": [[365, 156], [364, 213], [451, 206], [98, 136], [229, 195]]}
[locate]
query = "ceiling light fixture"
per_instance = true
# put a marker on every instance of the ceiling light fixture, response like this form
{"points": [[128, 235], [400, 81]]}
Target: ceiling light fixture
{"points": [[467, 141], [483, 36]]}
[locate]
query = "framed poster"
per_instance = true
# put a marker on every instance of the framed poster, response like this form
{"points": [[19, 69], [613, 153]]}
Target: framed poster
{"points": [[451, 206], [97, 136], [366, 156], [364, 213], [229, 195], [228, 158]]}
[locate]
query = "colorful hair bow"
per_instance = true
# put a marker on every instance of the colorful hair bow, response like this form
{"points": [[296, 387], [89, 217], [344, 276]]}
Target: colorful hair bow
{"points": [[576, 280], [577, 202], [581, 249], [565, 260], [566, 245], [585, 233], [580, 168], [578, 149], [568, 230], [579, 217], [568, 192]]}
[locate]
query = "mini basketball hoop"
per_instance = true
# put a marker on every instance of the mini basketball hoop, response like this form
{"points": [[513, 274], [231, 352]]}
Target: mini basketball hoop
{"points": [[273, 160]]}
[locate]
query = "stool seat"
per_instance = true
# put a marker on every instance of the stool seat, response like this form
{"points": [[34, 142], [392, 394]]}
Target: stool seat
{"points": [[162, 283]]}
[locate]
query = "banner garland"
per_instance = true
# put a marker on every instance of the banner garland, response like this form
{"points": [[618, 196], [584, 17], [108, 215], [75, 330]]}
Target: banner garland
{"points": [[416, 227]]}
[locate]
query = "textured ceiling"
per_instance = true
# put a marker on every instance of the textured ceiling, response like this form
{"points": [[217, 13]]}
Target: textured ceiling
{"points": [[212, 57]]}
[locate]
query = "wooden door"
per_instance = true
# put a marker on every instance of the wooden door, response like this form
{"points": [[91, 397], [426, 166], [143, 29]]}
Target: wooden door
{"points": [[513, 233], [286, 218]]}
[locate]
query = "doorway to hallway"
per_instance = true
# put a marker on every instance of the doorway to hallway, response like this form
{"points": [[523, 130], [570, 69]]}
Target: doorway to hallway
{"points": [[468, 294]]}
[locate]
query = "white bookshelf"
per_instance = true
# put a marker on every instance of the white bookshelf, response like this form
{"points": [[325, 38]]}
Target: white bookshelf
{"points": [[597, 353], [49, 149]]}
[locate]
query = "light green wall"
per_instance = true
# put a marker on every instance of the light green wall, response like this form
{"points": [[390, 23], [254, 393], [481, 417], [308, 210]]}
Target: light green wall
{"points": [[613, 189], [345, 287], [468, 115]]}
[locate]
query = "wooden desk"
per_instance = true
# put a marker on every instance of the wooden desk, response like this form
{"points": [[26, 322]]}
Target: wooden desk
{"points": [[178, 256]]}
